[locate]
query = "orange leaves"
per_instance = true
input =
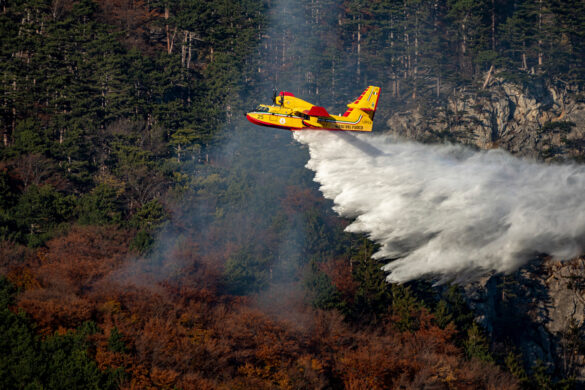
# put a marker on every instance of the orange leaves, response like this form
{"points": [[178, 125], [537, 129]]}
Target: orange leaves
{"points": [[55, 308], [55, 280], [165, 378], [111, 306], [83, 256], [12, 254], [339, 271], [91, 244], [181, 332], [195, 380], [158, 340], [23, 277], [373, 363], [106, 358], [308, 362]]}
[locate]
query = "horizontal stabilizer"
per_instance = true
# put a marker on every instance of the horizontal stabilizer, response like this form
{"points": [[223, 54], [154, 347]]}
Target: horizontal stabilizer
{"points": [[367, 102], [316, 111]]}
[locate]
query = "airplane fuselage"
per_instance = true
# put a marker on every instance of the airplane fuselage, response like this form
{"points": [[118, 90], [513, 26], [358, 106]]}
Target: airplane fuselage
{"points": [[284, 118], [291, 113]]}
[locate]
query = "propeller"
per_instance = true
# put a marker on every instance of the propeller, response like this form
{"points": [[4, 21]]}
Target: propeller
{"points": [[274, 96]]}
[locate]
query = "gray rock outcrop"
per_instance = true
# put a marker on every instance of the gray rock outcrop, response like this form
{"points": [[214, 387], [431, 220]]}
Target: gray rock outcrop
{"points": [[540, 310], [536, 120]]}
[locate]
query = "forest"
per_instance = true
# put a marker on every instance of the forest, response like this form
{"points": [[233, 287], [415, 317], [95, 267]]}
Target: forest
{"points": [[151, 238]]}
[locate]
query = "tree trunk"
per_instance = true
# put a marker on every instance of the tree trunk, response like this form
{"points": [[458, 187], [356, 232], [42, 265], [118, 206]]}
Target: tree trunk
{"points": [[416, 27], [184, 48], [464, 37], [189, 51], [333, 79], [283, 50], [493, 25], [539, 32], [5, 127], [13, 114], [406, 64], [488, 77], [170, 38], [359, 49]]}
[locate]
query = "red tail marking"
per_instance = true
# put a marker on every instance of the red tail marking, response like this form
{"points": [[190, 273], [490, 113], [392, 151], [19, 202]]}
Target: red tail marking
{"points": [[349, 110]]}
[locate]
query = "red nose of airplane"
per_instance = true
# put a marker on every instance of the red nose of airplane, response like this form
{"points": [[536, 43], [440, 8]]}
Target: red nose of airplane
{"points": [[251, 119], [256, 121]]}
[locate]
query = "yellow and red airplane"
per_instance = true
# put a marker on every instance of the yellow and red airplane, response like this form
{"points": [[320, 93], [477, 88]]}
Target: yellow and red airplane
{"points": [[291, 113]]}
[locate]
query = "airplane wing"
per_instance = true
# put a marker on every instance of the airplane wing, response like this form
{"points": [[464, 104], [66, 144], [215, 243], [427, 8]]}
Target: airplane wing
{"points": [[317, 111]]}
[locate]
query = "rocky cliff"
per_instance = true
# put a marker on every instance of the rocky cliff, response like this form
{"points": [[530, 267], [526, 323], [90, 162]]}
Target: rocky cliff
{"points": [[540, 309], [535, 119]]}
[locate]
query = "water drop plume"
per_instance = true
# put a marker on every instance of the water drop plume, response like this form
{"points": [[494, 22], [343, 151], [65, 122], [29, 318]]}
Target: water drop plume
{"points": [[447, 211]]}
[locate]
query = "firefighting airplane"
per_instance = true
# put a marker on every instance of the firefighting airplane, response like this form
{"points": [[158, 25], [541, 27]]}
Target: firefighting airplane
{"points": [[291, 113]]}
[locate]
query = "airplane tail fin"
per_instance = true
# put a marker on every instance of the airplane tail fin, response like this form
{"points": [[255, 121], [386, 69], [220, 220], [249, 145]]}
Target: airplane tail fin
{"points": [[363, 109], [367, 103]]}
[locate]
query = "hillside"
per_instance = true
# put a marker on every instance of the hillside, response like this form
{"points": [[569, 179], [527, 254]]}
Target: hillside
{"points": [[151, 238]]}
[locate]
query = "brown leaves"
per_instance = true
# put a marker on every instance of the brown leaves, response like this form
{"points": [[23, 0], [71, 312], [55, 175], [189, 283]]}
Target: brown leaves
{"points": [[165, 378], [57, 279], [55, 308], [23, 277], [83, 256], [183, 333], [339, 271]]}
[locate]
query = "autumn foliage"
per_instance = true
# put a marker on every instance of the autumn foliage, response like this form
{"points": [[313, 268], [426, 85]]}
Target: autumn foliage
{"points": [[148, 239], [188, 335]]}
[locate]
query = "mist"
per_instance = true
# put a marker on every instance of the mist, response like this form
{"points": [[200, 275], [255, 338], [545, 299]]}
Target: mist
{"points": [[446, 211]]}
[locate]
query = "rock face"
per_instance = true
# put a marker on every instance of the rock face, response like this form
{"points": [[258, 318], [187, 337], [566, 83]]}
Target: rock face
{"points": [[535, 120], [540, 309]]}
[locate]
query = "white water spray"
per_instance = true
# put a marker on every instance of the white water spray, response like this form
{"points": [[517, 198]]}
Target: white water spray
{"points": [[447, 211]]}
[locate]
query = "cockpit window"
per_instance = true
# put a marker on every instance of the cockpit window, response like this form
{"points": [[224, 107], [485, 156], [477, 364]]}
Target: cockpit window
{"points": [[261, 109]]}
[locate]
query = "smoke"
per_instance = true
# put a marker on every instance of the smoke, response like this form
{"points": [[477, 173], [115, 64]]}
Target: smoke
{"points": [[250, 170], [446, 211]]}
